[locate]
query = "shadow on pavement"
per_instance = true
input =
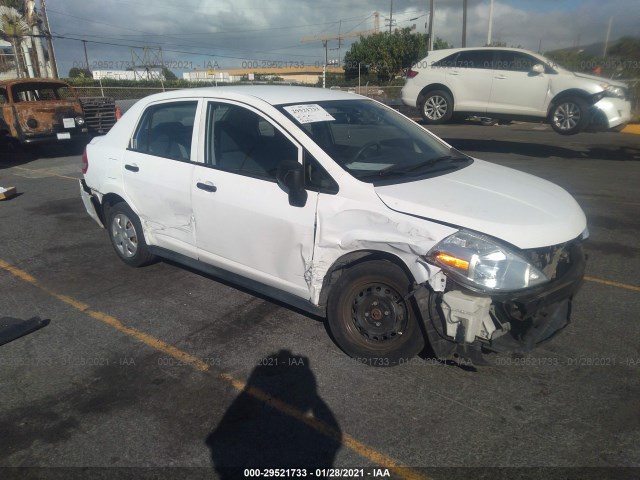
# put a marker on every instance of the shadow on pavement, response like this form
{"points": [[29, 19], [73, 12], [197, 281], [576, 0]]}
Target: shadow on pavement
{"points": [[540, 150], [13, 154], [255, 432]]}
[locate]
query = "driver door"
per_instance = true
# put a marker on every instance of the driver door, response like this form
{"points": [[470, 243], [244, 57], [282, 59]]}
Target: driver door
{"points": [[244, 222]]}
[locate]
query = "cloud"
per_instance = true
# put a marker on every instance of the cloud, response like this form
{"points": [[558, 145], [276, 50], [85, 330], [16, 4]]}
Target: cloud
{"points": [[229, 32]]}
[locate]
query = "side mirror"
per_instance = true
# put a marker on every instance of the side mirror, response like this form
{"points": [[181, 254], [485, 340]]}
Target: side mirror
{"points": [[290, 177], [537, 68]]}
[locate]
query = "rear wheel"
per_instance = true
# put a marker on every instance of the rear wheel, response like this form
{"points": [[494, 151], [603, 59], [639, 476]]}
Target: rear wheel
{"points": [[569, 116], [436, 107], [126, 236], [369, 317]]}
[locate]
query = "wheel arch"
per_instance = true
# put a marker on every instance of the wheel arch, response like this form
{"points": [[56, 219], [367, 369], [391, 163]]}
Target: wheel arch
{"points": [[431, 88], [572, 92], [108, 201], [351, 259]]}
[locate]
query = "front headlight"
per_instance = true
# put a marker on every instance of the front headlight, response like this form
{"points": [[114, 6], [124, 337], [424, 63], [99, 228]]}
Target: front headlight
{"points": [[79, 121], [617, 92], [482, 263]]}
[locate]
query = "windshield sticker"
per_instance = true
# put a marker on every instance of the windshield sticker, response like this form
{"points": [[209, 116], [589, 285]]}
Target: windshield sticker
{"points": [[309, 113]]}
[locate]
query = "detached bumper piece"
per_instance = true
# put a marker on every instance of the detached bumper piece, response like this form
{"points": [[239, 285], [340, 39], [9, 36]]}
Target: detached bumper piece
{"points": [[14, 328], [463, 323]]}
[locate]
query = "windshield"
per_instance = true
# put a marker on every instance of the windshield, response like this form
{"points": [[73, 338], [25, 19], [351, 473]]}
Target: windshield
{"points": [[373, 143]]}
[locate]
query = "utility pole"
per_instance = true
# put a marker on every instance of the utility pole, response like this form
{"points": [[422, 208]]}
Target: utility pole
{"points": [[464, 23], [326, 60], [47, 32], [606, 42], [491, 24], [430, 46], [86, 57], [391, 17]]}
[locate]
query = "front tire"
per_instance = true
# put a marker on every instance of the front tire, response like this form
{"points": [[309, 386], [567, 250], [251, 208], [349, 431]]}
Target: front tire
{"points": [[436, 107], [125, 232], [369, 318], [569, 116]]}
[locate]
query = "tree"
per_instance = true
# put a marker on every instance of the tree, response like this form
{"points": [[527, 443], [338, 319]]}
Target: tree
{"points": [[12, 29], [385, 54], [76, 72], [16, 4], [168, 74], [440, 44]]}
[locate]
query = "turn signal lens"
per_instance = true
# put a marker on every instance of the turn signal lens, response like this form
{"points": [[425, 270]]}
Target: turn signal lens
{"points": [[453, 261]]}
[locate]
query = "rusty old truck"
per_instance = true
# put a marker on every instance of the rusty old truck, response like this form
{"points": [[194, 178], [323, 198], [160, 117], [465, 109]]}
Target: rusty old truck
{"points": [[35, 111]]}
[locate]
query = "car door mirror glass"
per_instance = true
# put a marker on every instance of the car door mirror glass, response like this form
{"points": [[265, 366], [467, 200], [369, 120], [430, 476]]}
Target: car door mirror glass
{"points": [[538, 68], [290, 177]]}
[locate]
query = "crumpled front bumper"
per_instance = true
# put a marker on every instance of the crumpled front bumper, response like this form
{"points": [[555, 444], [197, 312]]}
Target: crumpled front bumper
{"points": [[610, 113], [520, 320]]}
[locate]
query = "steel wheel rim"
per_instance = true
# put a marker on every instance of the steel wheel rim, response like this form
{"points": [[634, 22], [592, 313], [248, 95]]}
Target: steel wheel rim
{"points": [[378, 313], [435, 107], [567, 116], [124, 235]]}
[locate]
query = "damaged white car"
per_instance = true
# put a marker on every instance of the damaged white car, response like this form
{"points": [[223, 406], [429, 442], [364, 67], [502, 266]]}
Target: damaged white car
{"points": [[338, 205]]}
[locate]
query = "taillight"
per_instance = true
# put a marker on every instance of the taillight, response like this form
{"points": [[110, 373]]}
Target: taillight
{"points": [[411, 73], [85, 161], [118, 113]]}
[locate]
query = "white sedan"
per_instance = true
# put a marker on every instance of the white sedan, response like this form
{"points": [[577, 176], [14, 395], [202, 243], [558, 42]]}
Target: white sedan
{"points": [[338, 205]]}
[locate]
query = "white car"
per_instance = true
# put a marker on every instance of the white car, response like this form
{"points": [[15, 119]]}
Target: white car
{"points": [[513, 84], [337, 204]]}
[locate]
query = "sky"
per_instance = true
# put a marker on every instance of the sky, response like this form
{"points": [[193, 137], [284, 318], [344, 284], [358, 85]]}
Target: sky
{"points": [[206, 34]]}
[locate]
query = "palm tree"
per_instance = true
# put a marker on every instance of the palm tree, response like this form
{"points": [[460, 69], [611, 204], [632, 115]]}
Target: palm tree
{"points": [[13, 28]]}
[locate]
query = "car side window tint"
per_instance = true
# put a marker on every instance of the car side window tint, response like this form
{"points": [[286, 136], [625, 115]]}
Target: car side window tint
{"points": [[166, 130], [449, 61], [481, 59], [316, 178], [515, 61], [241, 141]]}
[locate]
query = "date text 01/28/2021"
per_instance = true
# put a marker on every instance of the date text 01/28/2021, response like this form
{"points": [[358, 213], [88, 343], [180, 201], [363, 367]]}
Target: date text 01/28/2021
{"points": [[317, 473]]}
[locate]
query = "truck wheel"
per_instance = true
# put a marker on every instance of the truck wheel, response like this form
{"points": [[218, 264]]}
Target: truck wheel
{"points": [[569, 115], [125, 232], [369, 318], [436, 107]]}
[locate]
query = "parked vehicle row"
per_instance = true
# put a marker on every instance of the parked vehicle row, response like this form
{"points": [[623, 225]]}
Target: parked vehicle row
{"points": [[36, 111]]}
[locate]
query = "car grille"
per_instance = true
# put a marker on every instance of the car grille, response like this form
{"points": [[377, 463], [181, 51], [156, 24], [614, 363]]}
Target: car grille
{"points": [[99, 113]]}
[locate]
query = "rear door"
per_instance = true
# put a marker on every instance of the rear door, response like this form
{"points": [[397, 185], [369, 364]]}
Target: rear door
{"points": [[516, 89], [244, 222], [157, 174], [469, 76]]}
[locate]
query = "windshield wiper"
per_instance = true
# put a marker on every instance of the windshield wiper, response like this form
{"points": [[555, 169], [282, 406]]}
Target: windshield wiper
{"points": [[393, 169]]}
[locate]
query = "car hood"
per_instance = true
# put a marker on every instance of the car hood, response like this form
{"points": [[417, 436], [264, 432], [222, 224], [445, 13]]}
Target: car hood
{"points": [[521, 209], [608, 81]]}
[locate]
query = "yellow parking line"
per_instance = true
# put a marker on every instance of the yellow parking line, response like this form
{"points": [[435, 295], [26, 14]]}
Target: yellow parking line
{"points": [[625, 286], [46, 172], [157, 344], [632, 128]]}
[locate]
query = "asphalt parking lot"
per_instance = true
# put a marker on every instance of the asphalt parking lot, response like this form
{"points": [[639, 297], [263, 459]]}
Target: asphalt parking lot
{"points": [[145, 369]]}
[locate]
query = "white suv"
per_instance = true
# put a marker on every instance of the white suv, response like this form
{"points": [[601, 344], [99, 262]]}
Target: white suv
{"points": [[513, 84]]}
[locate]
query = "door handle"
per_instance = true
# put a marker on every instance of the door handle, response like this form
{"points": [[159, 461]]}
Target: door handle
{"points": [[132, 168], [454, 72], [501, 77], [207, 187]]}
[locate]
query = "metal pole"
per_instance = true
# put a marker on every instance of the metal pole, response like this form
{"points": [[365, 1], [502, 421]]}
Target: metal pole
{"points": [[606, 42], [86, 57], [391, 17], [464, 23], [52, 53], [430, 46], [490, 24], [326, 60]]}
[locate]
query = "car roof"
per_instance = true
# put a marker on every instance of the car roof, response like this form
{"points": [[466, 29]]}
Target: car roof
{"points": [[272, 94]]}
